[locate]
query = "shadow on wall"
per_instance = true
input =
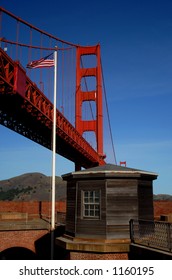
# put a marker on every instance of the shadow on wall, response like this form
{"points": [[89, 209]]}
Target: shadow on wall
{"points": [[17, 253], [141, 253], [44, 244]]}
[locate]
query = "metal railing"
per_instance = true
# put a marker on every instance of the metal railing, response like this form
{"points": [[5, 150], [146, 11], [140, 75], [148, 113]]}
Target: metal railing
{"points": [[153, 234]]}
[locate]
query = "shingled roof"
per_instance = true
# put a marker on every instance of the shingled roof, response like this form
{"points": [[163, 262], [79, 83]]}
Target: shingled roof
{"points": [[110, 170]]}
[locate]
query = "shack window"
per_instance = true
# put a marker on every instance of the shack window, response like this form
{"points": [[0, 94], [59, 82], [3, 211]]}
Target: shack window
{"points": [[91, 204]]}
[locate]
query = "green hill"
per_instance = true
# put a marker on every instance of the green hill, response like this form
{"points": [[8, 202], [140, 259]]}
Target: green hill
{"points": [[31, 186]]}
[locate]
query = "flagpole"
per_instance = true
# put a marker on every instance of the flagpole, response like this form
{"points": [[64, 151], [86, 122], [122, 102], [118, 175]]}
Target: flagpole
{"points": [[54, 145]]}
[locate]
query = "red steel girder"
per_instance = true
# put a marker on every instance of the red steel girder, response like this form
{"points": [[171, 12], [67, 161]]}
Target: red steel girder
{"points": [[6, 72]]}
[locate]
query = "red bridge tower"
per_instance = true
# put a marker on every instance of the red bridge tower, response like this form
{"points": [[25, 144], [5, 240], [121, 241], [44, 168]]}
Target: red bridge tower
{"points": [[95, 125]]}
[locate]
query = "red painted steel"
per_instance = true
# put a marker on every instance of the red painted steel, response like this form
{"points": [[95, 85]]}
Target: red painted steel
{"points": [[123, 163], [30, 109], [94, 95]]}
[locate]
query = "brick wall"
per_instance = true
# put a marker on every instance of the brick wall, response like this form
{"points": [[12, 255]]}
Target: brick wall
{"points": [[31, 207], [34, 207], [25, 239], [97, 256], [162, 207]]}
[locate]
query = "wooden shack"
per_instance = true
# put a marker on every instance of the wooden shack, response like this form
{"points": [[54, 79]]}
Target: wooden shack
{"points": [[102, 200]]}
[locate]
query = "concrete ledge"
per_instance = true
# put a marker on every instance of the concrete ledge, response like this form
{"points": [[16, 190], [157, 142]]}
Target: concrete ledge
{"points": [[13, 216], [15, 225], [94, 245]]}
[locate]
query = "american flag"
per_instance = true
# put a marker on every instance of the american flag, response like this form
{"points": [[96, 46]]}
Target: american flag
{"points": [[47, 61]]}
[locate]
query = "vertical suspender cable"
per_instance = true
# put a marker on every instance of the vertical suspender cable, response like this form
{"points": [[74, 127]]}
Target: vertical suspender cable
{"points": [[41, 55], [108, 118], [62, 103], [17, 38], [30, 48], [0, 25]]}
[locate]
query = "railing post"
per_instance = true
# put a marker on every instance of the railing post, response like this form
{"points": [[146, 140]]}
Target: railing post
{"points": [[169, 237]]}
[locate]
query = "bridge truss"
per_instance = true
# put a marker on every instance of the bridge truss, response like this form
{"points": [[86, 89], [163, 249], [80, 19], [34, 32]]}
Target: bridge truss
{"points": [[27, 110]]}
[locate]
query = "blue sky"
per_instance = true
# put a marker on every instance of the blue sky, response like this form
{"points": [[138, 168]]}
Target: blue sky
{"points": [[136, 52]]}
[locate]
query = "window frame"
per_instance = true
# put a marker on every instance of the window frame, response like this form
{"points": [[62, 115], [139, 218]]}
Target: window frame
{"points": [[91, 203]]}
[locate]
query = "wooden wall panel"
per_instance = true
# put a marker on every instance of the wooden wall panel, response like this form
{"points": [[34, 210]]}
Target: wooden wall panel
{"points": [[145, 200], [91, 227], [118, 231], [70, 210], [122, 205]]}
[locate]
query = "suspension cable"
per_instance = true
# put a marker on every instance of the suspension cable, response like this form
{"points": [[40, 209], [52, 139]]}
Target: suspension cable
{"points": [[113, 149], [37, 29], [33, 47]]}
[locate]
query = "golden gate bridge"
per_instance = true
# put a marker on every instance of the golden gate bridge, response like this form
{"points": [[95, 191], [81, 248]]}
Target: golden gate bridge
{"points": [[82, 120]]}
